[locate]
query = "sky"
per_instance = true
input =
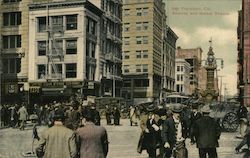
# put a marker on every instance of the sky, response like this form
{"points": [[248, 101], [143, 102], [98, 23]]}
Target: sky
{"points": [[197, 21]]}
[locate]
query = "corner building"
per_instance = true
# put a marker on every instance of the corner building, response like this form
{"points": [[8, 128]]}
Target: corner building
{"points": [[65, 56]]}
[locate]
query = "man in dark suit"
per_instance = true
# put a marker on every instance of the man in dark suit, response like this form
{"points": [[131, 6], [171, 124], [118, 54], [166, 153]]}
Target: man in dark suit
{"points": [[174, 133], [195, 115], [207, 133], [93, 139]]}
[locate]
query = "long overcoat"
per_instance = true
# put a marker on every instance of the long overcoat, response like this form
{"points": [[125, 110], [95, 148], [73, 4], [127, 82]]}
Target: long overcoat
{"points": [[58, 142], [207, 132], [23, 114], [93, 141]]}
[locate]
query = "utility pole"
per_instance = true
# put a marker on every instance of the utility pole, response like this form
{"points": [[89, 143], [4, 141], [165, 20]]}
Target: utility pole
{"points": [[225, 91], [220, 87], [113, 56]]}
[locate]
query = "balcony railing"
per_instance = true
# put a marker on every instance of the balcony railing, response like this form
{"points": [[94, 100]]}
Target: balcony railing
{"points": [[111, 57], [57, 28]]}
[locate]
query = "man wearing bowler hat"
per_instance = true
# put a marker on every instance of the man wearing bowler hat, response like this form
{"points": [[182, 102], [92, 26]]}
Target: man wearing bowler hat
{"points": [[174, 133], [207, 133], [194, 116], [58, 141]]}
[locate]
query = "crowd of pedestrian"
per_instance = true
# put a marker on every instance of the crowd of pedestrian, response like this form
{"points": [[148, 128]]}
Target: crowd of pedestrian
{"points": [[13, 116], [74, 130], [168, 130], [16, 115]]}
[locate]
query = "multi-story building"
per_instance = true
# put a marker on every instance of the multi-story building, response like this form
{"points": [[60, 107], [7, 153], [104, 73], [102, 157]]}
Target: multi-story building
{"points": [[64, 49], [105, 66], [143, 34], [111, 59], [244, 53], [14, 50], [182, 74], [202, 78], [194, 57], [168, 62]]}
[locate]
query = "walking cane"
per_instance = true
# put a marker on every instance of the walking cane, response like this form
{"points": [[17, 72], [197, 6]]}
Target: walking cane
{"points": [[34, 136]]}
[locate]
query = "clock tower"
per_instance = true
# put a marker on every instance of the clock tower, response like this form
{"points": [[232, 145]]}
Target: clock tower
{"points": [[210, 93]]}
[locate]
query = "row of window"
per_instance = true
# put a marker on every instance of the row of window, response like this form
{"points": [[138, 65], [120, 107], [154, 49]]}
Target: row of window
{"points": [[179, 88], [91, 26], [139, 40], [138, 68], [137, 83], [179, 77], [12, 41], [11, 65], [139, 11], [57, 47], [12, 19], [139, 54], [69, 45], [58, 23], [180, 68], [138, 1], [69, 69], [139, 26]]}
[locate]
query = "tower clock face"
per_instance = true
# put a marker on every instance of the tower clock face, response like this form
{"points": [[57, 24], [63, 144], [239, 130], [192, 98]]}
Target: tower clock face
{"points": [[210, 59]]}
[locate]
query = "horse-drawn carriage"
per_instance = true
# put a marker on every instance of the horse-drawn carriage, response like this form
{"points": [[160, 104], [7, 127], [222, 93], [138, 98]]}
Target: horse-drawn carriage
{"points": [[226, 114]]}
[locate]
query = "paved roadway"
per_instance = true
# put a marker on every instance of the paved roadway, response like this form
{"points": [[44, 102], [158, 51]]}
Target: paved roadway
{"points": [[123, 141]]}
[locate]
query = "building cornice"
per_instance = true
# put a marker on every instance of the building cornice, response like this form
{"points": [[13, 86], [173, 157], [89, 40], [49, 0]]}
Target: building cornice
{"points": [[65, 4]]}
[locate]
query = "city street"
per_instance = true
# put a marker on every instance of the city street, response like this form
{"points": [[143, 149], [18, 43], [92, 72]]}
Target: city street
{"points": [[123, 142]]}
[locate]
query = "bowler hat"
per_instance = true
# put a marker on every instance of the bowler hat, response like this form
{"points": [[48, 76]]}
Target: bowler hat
{"points": [[59, 115], [177, 108], [205, 109], [89, 114]]}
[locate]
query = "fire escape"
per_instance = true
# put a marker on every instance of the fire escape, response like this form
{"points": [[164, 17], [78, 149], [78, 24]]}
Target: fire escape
{"points": [[54, 48]]}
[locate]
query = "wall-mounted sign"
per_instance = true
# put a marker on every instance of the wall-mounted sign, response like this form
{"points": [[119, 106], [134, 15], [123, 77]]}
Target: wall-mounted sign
{"points": [[35, 89], [11, 88]]}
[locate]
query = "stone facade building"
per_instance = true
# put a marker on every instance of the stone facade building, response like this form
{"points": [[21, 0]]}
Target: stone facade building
{"points": [[64, 56], [144, 26], [168, 62], [194, 57], [14, 50], [78, 53], [182, 76]]}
